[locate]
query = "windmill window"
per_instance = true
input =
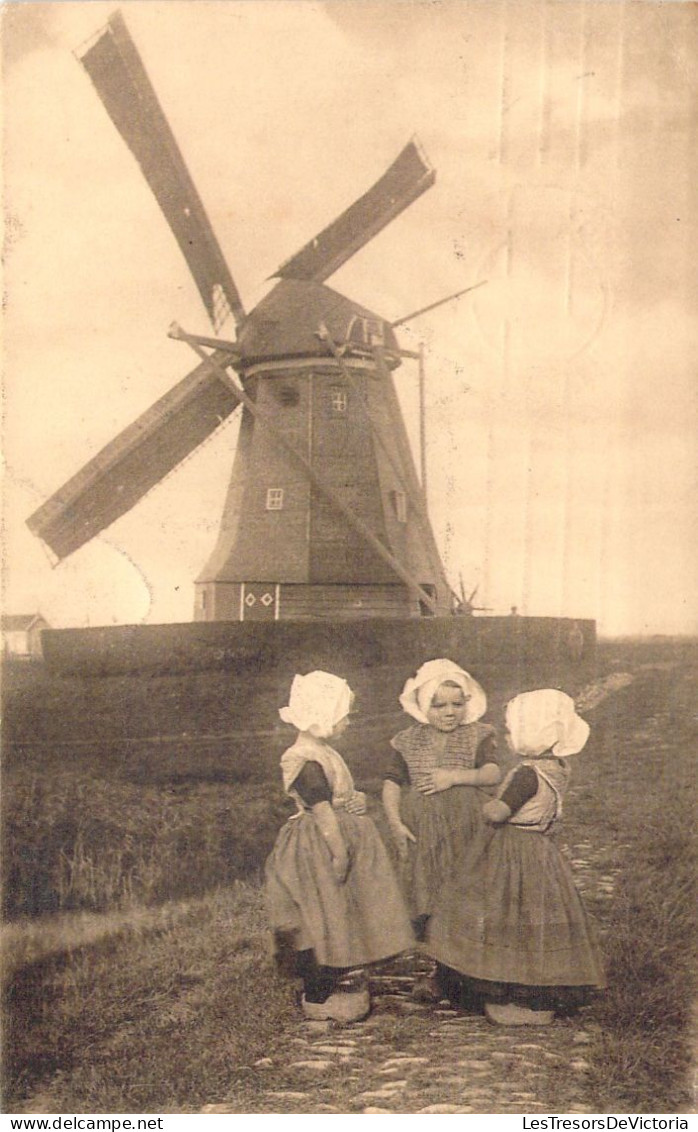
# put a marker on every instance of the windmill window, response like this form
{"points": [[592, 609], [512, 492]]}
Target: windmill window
{"points": [[338, 400], [287, 395], [366, 331], [373, 331], [430, 591], [275, 499], [400, 505]]}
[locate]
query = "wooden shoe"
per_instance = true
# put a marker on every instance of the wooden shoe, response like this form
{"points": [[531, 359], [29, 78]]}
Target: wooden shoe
{"points": [[512, 1015], [339, 1007]]}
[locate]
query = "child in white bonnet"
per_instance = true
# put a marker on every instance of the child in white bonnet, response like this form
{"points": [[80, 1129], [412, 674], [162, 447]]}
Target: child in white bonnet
{"points": [[433, 788], [332, 898], [511, 920]]}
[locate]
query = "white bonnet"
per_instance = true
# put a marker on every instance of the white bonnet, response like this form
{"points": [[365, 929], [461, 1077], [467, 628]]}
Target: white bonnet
{"points": [[419, 690], [319, 701], [545, 720]]}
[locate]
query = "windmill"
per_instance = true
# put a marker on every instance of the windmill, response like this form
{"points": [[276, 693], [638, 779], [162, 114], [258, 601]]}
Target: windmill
{"points": [[325, 516], [464, 604]]}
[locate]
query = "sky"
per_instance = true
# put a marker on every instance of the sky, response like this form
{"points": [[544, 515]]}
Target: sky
{"points": [[561, 395]]}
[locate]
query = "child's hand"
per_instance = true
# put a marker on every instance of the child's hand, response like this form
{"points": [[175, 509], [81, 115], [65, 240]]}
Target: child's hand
{"points": [[496, 812], [436, 781], [340, 866], [356, 804], [401, 834]]}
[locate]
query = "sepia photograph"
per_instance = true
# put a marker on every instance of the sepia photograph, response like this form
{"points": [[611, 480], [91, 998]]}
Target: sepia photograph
{"points": [[350, 559]]}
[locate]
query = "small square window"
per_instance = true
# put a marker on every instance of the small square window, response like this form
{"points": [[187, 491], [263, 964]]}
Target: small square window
{"points": [[373, 331], [275, 498], [338, 400], [366, 331], [286, 394]]}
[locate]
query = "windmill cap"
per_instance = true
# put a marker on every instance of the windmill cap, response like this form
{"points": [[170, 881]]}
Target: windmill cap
{"points": [[286, 323]]}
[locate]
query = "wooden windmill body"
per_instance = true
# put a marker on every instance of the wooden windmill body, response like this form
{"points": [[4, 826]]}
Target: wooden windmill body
{"points": [[325, 516]]}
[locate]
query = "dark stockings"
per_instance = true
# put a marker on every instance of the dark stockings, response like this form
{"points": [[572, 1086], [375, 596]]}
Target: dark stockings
{"points": [[318, 982]]}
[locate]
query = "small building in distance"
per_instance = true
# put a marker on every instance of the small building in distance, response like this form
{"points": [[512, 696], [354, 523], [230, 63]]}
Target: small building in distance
{"points": [[21, 635]]}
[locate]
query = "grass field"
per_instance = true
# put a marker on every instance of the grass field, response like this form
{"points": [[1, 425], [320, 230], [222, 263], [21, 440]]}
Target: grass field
{"points": [[122, 790], [135, 920]]}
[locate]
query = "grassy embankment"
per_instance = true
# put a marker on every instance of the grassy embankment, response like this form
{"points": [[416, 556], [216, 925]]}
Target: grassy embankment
{"points": [[110, 801], [132, 790], [644, 784], [161, 1009]]}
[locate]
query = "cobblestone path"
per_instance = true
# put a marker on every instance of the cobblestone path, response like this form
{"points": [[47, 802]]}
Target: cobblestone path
{"points": [[411, 1058], [408, 1057]]}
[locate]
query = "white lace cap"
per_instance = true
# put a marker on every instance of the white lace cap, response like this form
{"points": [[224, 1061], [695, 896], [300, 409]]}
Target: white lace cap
{"points": [[317, 702], [419, 690], [545, 720]]}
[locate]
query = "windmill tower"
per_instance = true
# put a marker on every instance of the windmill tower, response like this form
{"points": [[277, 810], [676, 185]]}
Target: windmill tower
{"points": [[324, 516]]}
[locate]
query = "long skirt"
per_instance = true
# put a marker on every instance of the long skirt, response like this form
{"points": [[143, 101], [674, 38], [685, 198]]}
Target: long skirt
{"points": [[512, 915], [443, 824], [360, 921]]}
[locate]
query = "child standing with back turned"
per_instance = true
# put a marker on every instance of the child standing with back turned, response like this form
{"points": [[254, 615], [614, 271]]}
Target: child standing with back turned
{"points": [[511, 920], [332, 898]]}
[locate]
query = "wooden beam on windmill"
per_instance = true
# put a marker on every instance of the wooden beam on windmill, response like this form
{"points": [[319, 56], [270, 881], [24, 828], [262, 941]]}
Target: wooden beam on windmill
{"points": [[392, 447], [317, 481]]}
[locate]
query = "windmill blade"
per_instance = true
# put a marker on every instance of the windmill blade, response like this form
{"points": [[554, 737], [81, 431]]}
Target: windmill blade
{"points": [[462, 589], [406, 179], [138, 458], [115, 68]]}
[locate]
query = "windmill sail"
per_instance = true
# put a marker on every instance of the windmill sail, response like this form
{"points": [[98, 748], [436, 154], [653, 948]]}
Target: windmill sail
{"points": [[324, 514], [115, 67], [407, 178], [138, 458]]}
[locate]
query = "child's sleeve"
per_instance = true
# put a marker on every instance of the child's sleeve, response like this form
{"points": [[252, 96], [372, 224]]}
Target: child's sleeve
{"points": [[487, 750], [522, 785], [311, 785], [397, 770]]}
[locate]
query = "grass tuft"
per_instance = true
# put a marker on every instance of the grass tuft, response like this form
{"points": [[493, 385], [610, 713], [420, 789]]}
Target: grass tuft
{"points": [[80, 842], [161, 1020]]}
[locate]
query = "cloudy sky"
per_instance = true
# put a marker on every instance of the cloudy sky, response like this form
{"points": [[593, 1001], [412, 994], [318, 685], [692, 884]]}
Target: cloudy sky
{"points": [[562, 395]]}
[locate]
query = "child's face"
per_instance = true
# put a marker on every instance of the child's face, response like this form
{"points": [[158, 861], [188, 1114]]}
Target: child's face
{"points": [[448, 708]]}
